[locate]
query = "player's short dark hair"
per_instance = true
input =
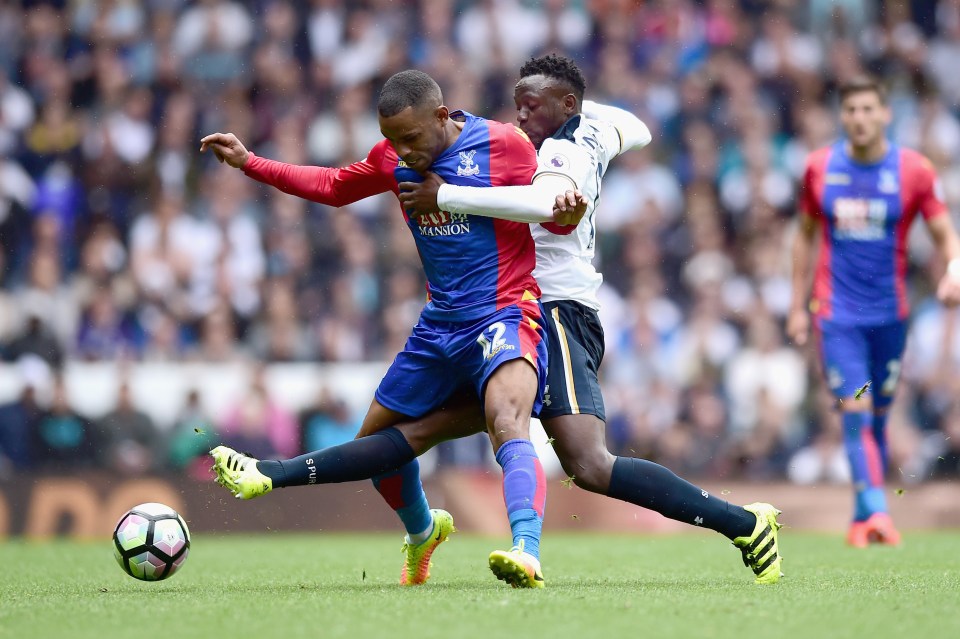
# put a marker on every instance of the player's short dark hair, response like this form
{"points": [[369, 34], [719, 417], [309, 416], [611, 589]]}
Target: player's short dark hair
{"points": [[559, 68], [410, 88], [862, 84]]}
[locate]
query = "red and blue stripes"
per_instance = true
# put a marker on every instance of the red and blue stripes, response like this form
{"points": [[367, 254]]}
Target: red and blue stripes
{"points": [[524, 492], [865, 211]]}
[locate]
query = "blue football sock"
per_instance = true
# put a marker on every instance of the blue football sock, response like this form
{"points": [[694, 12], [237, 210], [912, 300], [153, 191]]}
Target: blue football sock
{"points": [[652, 486], [880, 436], [866, 466], [402, 490], [524, 492], [362, 458]]}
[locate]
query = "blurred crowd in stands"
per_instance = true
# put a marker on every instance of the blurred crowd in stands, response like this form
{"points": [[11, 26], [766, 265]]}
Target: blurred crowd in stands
{"points": [[120, 242]]}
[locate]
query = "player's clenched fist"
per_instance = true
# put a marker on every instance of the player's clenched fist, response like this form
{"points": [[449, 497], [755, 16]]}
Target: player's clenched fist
{"points": [[227, 148], [569, 208], [420, 198]]}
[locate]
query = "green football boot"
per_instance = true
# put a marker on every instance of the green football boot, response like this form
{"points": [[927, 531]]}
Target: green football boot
{"points": [[238, 473], [761, 553], [416, 567]]}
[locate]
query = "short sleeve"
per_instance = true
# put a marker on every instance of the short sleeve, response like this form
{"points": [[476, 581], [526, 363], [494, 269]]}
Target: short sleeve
{"points": [[811, 187], [563, 157], [929, 190]]}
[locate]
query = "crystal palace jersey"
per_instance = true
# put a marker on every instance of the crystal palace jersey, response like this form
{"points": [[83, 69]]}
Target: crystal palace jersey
{"points": [[865, 212], [581, 151], [474, 265]]}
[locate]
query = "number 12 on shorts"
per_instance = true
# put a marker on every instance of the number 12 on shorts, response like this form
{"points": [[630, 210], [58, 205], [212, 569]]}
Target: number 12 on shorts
{"points": [[495, 343]]}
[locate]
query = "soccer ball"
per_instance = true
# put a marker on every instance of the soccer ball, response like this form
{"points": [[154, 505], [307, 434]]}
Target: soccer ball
{"points": [[151, 542]]}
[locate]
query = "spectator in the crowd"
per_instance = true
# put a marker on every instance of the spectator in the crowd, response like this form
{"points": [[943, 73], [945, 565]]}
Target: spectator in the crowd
{"points": [[16, 112], [328, 422], [107, 333], [163, 253], [116, 168], [19, 420], [707, 342], [174, 156], [638, 179], [192, 436], [36, 339], [944, 457], [346, 132], [210, 39], [762, 455], [217, 339], [227, 248], [103, 263], [62, 438], [17, 193], [696, 443], [164, 340], [48, 298], [403, 292], [764, 380], [129, 440], [8, 314], [258, 424], [823, 459], [281, 336], [932, 361]]}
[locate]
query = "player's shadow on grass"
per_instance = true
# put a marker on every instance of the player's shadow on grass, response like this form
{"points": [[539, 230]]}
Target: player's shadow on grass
{"points": [[481, 584], [562, 585]]}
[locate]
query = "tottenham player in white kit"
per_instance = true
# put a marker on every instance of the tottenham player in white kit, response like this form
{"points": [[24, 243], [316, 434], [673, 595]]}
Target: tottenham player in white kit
{"points": [[576, 140]]}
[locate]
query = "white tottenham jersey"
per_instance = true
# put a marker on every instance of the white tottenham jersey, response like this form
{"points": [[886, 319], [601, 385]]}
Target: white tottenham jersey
{"points": [[580, 151]]}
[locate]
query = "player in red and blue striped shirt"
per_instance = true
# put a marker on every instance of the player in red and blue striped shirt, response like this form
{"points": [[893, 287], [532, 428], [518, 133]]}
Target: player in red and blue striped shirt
{"points": [[481, 332], [859, 198]]}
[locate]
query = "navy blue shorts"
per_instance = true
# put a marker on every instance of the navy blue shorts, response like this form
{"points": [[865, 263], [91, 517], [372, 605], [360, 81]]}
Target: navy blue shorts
{"points": [[442, 357], [854, 355], [575, 342]]}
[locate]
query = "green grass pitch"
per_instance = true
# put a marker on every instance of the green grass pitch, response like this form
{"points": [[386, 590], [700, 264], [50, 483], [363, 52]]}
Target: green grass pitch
{"points": [[329, 586]]}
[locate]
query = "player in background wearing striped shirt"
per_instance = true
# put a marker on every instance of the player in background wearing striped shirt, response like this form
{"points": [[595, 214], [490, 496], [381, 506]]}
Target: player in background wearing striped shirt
{"points": [[859, 197], [480, 334]]}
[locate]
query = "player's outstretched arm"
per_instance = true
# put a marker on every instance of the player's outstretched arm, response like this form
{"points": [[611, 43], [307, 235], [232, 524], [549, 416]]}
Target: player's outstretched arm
{"points": [[798, 320], [330, 186], [633, 132], [948, 243], [227, 147], [532, 203]]}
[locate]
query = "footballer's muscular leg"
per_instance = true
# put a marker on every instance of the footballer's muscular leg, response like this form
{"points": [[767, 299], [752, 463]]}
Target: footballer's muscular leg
{"points": [[388, 440], [384, 449], [460, 416], [508, 401], [382, 452], [579, 443]]}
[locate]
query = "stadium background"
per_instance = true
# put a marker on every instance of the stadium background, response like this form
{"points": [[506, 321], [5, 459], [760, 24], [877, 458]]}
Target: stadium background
{"points": [[153, 302]]}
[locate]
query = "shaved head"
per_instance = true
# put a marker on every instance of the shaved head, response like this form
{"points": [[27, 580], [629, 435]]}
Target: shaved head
{"points": [[409, 88]]}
